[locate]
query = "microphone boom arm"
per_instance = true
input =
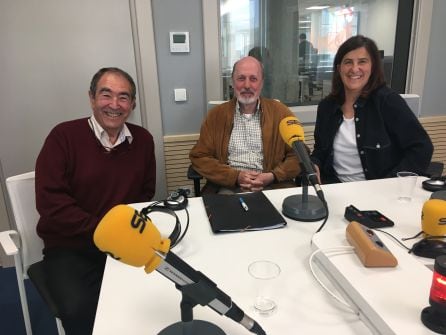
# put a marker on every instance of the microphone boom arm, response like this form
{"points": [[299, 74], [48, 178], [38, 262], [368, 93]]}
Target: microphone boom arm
{"points": [[308, 168], [196, 288]]}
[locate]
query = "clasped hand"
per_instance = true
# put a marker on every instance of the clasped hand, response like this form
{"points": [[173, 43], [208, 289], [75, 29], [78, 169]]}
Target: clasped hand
{"points": [[251, 181]]}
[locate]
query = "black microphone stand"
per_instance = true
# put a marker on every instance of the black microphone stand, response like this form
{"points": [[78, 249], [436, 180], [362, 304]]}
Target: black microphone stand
{"points": [[192, 295], [306, 207]]}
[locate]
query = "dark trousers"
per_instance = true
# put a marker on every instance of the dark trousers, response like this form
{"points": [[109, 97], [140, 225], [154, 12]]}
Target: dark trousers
{"points": [[74, 279]]}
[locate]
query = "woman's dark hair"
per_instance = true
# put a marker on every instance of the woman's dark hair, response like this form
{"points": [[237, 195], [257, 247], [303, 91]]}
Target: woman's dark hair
{"points": [[377, 73], [98, 75]]}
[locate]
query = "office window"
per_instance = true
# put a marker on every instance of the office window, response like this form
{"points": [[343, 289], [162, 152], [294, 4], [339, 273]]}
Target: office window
{"points": [[297, 41]]}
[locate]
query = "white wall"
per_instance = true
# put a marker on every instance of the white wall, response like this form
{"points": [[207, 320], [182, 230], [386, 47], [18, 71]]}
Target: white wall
{"points": [[180, 70], [49, 52], [381, 25]]}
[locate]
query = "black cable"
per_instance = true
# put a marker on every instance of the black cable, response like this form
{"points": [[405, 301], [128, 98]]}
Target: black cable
{"points": [[147, 209], [184, 230], [411, 238], [161, 203], [393, 237], [326, 217]]}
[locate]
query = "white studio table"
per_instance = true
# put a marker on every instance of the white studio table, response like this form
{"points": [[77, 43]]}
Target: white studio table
{"points": [[390, 299], [133, 302]]}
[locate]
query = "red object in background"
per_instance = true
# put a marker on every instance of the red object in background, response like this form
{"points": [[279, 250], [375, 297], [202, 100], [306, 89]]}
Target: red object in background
{"points": [[434, 316]]}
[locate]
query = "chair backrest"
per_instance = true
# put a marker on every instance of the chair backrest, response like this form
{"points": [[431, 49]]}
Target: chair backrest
{"points": [[413, 100], [22, 195]]}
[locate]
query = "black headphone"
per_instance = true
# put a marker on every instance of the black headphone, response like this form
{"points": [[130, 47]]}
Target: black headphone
{"points": [[175, 201], [434, 184]]}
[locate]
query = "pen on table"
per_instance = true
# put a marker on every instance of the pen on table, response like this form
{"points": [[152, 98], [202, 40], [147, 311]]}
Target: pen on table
{"points": [[244, 205]]}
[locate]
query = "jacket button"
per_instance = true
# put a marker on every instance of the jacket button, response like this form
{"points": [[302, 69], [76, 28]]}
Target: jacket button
{"points": [[378, 146], [357, 119], [358, 135], [362, 152]]}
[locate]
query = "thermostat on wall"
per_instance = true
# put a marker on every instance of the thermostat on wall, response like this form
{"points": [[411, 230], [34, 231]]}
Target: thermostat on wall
{"points": [[179, 41]]}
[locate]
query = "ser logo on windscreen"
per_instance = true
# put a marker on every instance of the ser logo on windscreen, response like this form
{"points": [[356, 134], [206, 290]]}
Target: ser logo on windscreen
{"points": [[138, 221]]}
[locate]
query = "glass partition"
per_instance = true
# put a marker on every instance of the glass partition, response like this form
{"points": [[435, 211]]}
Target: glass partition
{"points": [[297, 40]]}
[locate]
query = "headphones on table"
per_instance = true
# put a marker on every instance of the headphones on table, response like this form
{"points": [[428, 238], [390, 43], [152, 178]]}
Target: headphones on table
{"points": [[434, 184], [176, 200]]}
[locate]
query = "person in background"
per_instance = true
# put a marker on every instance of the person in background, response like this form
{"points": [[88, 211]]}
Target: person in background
{"points": [[263, 55], [307, 63], [364, 129], [240, 147], [306, 50], [84, 168]]}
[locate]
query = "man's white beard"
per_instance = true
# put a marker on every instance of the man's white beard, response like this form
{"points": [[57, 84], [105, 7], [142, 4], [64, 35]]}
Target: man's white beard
{"points": [[247, 101]]}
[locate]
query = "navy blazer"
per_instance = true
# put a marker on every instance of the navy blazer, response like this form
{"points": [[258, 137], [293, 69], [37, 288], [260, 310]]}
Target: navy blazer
{"points": [[389, 136]]}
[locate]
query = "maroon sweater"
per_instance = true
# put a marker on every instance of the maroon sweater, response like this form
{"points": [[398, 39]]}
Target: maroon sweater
{"points": [[78, 181]]}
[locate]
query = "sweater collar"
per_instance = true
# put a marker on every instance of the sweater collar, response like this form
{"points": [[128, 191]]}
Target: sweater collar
{"points": [[102, 136]]}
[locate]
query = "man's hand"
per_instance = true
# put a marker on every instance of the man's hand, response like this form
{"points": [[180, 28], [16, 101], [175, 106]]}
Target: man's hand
{"points": [[254, 181], [245, 179]]}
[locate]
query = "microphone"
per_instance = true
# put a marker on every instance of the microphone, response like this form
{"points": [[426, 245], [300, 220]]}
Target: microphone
{"points": [[130, 237], [433, 218], [433, 225], [292, 133]]}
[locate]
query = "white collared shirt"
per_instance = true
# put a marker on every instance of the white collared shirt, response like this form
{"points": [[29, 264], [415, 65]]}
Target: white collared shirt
{"points": [[103, 137]]}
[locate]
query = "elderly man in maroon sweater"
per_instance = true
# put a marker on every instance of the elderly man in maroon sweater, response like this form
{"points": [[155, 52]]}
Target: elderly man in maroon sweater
{"points": [[86, 167]]}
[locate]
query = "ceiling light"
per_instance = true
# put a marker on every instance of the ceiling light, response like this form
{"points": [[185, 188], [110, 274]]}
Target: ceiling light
{"points": [[317, 7]]}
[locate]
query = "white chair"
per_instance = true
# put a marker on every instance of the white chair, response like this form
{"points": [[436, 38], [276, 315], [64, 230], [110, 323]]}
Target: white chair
{"points": [[24, 243]]}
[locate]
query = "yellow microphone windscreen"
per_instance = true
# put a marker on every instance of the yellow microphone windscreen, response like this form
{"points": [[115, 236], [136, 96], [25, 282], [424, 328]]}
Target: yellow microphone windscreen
{"points": [[291, 130], [433, 217], [130, 237]]}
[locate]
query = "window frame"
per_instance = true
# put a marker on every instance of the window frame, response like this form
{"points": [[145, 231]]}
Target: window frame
{"points": [[307, 113]]}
